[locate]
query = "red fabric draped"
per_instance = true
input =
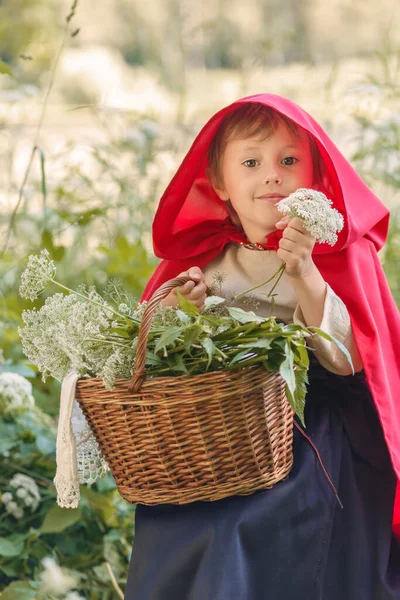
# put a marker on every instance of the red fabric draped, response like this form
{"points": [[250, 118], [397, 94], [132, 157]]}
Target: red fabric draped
{"points": [[192, 226]]}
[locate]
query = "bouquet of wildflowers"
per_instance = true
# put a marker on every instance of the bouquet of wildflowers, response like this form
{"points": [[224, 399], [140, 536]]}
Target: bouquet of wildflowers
{"points": [[316, 212], [97, 335]]}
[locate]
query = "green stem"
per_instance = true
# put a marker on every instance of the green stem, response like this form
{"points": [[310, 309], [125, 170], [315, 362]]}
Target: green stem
{"points": [[278, 272], [281, 271], [67, 289], [106, 341]]}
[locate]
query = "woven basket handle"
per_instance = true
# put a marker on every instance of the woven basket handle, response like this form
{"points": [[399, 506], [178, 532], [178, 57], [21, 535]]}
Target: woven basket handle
{"points": [[139, 373]]}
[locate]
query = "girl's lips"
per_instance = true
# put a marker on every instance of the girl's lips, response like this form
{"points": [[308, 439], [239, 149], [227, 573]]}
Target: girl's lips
{"points": [[273, 199]]}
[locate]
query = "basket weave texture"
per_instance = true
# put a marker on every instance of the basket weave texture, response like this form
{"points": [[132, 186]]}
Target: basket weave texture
{"points": [[187, 438]]}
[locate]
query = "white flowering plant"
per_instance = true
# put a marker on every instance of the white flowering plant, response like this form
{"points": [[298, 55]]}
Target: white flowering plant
{"points": [[316, 211], [46, 551], [15, 394]]}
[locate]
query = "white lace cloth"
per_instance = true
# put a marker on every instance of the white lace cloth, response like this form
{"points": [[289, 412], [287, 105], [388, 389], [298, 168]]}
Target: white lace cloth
{"points": [[79, 459]]}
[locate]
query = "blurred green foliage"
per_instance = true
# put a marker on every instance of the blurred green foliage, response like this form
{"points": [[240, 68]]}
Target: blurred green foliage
{"points": [[377, 154], [28, 30], [84, 539]]}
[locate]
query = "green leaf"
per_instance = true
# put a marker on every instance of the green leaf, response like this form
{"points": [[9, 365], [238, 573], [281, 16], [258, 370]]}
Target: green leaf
{"points": [[5, 69], [301, 350], [120, 332], [191, 334], [243, 316], [112, 556], [261, 343], [153, 360], [58, 519], [21, 590], [175, 362], [212, 301], [210, 348], [12, 545], [299, 399], [211, 320], [189, 308], [19, 368], [330, 338], [45, 445], [239, 356], [286, 369], [168, 337]]}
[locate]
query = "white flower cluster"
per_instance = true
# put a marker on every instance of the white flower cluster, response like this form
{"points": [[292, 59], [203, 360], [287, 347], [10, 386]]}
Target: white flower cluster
{"points": [[81, 331], [15, 393], [39, 273], [68, 333], [25, 495], [316, 212], [59, 581]]}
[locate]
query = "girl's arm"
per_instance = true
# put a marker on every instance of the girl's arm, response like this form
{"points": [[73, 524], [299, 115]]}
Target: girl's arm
{"points": [[310, 290], [318, 305], [335, 321]]}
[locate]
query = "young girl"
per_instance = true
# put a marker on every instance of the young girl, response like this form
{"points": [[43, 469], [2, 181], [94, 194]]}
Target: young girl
{"points": [[218, 215]]}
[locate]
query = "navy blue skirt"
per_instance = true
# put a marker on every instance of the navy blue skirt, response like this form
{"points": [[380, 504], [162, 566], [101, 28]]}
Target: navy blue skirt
{"points": [[294, 541]]}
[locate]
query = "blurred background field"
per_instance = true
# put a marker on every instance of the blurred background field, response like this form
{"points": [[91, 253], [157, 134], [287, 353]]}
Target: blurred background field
{"points": [[98, 104]]}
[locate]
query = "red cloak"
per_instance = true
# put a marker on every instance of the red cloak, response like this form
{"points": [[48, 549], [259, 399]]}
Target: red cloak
{"points": [[192, 226]]}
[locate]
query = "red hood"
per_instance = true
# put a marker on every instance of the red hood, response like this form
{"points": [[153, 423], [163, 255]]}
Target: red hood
{"points": [[190, 215]]}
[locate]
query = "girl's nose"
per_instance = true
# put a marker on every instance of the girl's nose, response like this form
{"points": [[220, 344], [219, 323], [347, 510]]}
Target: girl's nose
{"points": [[272, 176]]}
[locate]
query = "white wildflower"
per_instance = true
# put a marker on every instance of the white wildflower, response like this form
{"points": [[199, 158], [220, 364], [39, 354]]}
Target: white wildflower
{"points": [[123, 308], [15, 392], [32, 495], [39, 273], [73, 596], [119, 364], [18, 512], [316, 212], [56, 580], [6, 498], [68, 333], [11, 506], [28, 501]]}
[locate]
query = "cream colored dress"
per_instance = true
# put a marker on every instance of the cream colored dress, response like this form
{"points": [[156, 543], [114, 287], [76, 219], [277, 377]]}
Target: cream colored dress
{"points": [[244, 268]]}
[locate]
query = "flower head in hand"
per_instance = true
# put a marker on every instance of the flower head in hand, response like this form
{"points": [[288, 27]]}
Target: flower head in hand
{"points": [[316, 212]]}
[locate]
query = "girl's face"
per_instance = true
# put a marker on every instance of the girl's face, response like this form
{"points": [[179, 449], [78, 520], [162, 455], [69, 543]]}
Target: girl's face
{"points": [[257, 173]]}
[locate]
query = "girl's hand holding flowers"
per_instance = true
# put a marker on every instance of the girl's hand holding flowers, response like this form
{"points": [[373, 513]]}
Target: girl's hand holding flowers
{"points": [[295, 247]]}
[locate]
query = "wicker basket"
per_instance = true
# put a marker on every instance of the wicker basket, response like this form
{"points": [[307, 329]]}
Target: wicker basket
{"points": [[186, 438]]}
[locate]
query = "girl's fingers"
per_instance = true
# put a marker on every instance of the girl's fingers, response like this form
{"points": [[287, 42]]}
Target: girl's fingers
{"points": [[293, 234], [297, 223], [198, 291], [185, 289], [196, 273], [282, 223], [288, 245]]}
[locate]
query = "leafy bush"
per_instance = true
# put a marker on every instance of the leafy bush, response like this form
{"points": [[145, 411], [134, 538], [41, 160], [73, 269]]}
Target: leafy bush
{"points": [[90, 542]]}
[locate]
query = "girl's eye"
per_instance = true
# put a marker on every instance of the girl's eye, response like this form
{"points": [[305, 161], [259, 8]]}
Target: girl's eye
{"points": [[251, 162], [289, 160]]}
